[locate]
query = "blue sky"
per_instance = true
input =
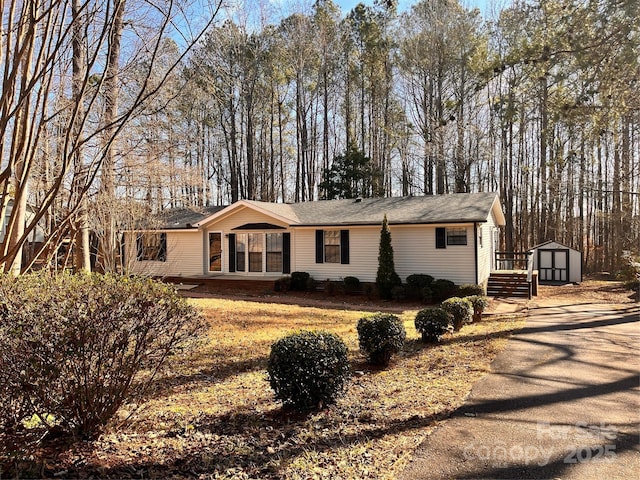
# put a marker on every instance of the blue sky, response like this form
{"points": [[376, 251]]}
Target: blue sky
{"points": [[486, 6]]}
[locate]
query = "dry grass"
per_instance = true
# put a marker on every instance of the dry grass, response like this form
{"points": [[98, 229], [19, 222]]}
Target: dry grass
{"points": [[214, 415]]}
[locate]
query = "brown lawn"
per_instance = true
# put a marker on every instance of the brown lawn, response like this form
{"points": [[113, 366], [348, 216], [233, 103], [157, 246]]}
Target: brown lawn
{"points": [[214, 414]]}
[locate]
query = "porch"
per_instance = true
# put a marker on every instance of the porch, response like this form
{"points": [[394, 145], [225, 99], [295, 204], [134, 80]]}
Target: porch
{"points": [[227, 283]]}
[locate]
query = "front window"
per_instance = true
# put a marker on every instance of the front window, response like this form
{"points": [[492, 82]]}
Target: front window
{"points": [[332, 246], [274, 252], [255, 252], [456, 236], [152, 247], [241, 248]]}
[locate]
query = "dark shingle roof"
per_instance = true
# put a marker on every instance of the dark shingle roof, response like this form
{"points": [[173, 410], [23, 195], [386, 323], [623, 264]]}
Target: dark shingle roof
{"points": [[177, 218], [450, 208]]}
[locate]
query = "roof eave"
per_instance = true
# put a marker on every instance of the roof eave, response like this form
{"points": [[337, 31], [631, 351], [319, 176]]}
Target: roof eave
{"points": [[377, 224], [243, 204]]}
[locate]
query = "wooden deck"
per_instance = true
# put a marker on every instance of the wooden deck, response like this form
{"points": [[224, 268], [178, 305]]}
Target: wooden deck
{"points": [[512, 283]]}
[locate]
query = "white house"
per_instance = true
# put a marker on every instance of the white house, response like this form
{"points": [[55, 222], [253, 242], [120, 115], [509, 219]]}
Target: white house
{"points": [[451, 236], [37, 235]]}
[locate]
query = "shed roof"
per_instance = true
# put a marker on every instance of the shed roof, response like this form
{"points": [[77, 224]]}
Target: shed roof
{"points": [[551, 242]]}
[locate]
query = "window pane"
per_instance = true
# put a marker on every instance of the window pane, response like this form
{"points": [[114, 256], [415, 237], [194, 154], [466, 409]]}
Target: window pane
{"points": [[241, 247], [255, 261], [255, 252], [274, 252], [456, 236], [332, 246], [332, 253], [151, 248]]}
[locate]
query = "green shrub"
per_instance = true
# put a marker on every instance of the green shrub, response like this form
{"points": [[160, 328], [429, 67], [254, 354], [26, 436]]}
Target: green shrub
{"points": [[426, 295], [283, 284], [442, 289], [460, 310], [74, 346], [380, 336], [300, 281], [399, 293], [351, 284], [419, 280], [479, 304], [633, 285], [432, 323], [370, 290], [308, 369], [468, 289]]}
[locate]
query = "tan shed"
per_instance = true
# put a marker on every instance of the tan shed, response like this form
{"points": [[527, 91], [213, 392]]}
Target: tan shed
{"points": [[557, 263]]}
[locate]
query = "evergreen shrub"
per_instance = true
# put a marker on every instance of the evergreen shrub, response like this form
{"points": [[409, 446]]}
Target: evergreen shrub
{"points": [[460, 310], [432, 323], [380, 336], [308, 369]]}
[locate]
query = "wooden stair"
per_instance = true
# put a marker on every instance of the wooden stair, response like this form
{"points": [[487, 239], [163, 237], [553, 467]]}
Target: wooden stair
{"points": [[511, 284]]}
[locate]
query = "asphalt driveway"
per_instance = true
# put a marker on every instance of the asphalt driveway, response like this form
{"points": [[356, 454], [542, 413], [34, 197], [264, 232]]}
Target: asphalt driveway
{"points": [[562, 401]]}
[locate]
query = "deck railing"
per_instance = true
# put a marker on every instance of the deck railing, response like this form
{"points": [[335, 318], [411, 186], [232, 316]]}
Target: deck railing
{"points": [[514, 261]]}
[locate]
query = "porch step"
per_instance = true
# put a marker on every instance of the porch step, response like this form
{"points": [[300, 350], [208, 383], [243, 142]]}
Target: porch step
{"points": [[508, 285], [220, 285]]}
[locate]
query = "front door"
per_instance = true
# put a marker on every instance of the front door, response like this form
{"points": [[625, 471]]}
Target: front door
{"points": [[553, 265], [215, 251]]}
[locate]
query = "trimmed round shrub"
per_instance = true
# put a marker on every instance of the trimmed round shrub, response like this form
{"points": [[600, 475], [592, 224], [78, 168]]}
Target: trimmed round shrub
{"points": [[75, 348], [380, 337], [426, 295], [468, 289], [416, 283], [419, 280], [283, 284], [351, 284], [399, 293], [432, 323], [479, 304], [308, 369], [442, 289], [460, 310], [300, 281]]}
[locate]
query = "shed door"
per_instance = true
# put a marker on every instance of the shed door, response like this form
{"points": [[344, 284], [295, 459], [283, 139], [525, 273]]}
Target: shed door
{"points": [[553, 265]]}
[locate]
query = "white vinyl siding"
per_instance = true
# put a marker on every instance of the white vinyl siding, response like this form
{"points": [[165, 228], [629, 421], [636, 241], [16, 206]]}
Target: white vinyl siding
{"points": [[184, 256], [485, 252], [242, 216], [414, 252], [363, 254]]}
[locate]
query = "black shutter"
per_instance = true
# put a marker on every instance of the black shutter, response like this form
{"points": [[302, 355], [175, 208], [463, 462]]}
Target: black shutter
{"points": [[319, 246], [286, 253], [232, 252], [344, 247], [441, 237], [162, 252], [122, 244], [139, 247]]}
